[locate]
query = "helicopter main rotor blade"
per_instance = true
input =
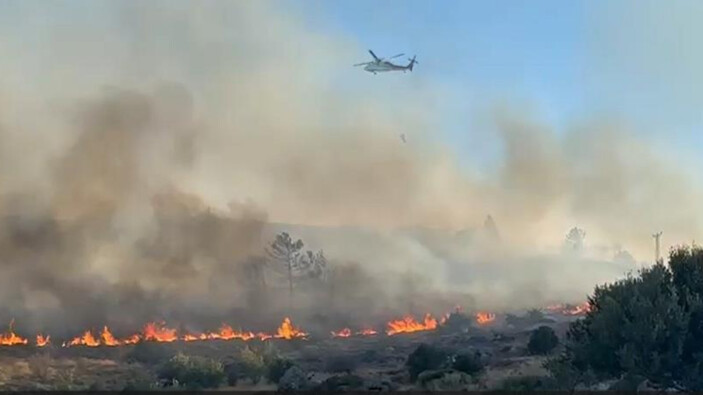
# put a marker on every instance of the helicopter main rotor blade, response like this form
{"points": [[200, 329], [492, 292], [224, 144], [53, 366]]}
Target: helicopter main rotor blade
{"points": [[361, 64], [395, 56]]}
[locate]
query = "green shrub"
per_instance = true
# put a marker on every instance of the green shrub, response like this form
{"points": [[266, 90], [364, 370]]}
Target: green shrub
{"points": [[469, 363], [648, 325], [445, 380], [251, 365], [542, 341], [425, 357], [344, 382], [276, 368], [193, 372], [232, 372]]}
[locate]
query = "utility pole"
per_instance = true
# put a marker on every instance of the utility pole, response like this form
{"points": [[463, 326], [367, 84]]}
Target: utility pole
{"points": [[656, 247]]}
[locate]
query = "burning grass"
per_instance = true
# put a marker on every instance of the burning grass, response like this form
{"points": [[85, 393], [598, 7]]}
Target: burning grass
{"points": [[159, 332]]}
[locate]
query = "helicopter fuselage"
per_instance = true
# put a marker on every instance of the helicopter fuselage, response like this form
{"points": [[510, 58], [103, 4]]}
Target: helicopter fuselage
{"points": [[380, 67]]}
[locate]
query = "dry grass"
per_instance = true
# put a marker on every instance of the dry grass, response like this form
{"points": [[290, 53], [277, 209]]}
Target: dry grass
{"points": [[517, 367], [43, 372]]}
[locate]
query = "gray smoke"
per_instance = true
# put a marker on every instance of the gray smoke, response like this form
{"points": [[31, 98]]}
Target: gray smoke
{"points": [[131, 199]]}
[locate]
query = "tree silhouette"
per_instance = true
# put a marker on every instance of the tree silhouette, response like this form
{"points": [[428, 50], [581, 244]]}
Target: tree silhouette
{"points": [[574, 239], [286, 252]]}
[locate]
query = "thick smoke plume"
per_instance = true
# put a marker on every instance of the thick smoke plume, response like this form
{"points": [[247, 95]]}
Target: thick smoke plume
{"points": [[127, 199]]}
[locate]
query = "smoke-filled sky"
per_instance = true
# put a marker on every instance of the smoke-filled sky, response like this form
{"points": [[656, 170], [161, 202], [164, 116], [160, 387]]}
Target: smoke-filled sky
{"points": [[122, 124]]}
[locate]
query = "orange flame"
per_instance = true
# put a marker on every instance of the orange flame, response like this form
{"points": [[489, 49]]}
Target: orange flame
{"points": [[134, 339], [288, 331], [43, 341], [408, 324], [581, 309], [10, 338], [108, 339], [159, 333], [483, 318], [86, 340], [346, 332]]}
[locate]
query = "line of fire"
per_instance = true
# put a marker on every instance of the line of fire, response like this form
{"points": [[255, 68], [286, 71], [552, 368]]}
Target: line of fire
{"points": [[159, 332]]}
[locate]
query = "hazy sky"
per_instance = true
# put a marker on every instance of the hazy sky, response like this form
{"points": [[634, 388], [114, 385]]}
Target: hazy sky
{"points": [[569, 60], [561, 63]]}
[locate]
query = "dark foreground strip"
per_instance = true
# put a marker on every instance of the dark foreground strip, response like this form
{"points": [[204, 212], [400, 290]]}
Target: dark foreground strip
{"points": [[182, 392]]}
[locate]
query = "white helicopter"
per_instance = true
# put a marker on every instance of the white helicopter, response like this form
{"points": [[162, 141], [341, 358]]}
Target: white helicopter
{"points": [[380, 65]]}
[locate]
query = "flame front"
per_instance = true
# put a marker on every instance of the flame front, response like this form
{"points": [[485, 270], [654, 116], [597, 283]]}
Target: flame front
{"points": [[346, 332], [159, 333], [288, 331], [108, 339], [580, 309], [86, 340], [408, 324], [43, 341], [483, 318], [10, 338]]}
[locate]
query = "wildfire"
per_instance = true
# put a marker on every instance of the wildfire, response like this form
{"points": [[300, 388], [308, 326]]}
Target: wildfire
{"points": [[159, 333], [483, 318], [580, 309], [108, 339], [408, 324], [346, 332], [288, 331], [134, 339], [10, 338], [225, 333], [43, 341], [444, 318], [86, 340]]}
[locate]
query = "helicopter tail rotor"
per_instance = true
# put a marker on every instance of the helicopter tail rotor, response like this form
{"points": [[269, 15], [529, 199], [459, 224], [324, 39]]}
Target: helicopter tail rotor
{"points": [[412, 63]]}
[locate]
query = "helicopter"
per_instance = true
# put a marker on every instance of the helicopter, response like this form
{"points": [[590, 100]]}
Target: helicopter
{"points": [[380, 65]]}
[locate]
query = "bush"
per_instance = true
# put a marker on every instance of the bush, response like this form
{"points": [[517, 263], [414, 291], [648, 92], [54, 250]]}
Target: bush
{"points": [[445, 380], [232, 372], [341, 383], [276, 368], [251, 365], [193, 372], [649, 325], [293, 380], [542, 341], [469, 363], [340, 364], [425, 357]]}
